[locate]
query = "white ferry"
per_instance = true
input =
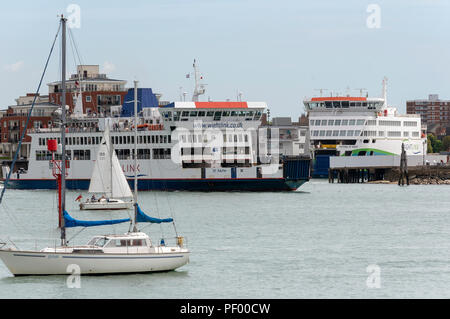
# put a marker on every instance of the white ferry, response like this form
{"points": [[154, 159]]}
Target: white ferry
{"points": [[200, 146], [360, 126]]}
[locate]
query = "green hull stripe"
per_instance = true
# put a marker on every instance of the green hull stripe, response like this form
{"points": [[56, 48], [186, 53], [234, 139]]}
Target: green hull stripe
{"points": [[374, 150]]}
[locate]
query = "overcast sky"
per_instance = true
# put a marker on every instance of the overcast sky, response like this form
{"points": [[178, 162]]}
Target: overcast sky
{"points": [[274, 51]]}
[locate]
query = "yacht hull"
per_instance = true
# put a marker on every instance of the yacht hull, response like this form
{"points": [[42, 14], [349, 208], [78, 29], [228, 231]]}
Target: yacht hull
{"points": [[45, 263], [117, 204]]}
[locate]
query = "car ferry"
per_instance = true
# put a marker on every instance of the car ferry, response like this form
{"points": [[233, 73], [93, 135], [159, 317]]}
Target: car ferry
{"points": [[360, 126]]}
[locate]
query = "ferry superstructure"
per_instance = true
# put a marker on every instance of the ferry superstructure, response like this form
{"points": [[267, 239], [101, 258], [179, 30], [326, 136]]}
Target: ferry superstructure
{"points": [[204, 146], [360, 126]]}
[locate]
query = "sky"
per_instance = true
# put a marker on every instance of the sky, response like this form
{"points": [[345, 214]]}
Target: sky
{"points": [[279, 52]]}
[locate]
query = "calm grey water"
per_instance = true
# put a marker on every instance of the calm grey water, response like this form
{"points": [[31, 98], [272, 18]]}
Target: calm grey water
{"points": [[313, 243]]}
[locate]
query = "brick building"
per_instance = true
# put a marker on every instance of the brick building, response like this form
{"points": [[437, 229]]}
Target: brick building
{"points": [[14, 120], [434, 113]]}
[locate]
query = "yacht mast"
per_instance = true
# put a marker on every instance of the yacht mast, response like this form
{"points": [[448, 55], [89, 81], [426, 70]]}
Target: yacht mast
{"points": [[135, 154], [63, 130]]}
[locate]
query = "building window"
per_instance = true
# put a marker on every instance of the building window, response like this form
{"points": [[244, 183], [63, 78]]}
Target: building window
{"points": [[88, 98]]}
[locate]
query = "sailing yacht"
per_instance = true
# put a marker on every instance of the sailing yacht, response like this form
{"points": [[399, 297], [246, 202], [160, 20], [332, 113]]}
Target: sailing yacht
{"points": [[131, 252], [108, 179]]}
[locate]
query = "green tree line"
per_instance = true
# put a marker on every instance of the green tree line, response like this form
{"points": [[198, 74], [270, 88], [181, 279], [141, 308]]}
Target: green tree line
{"points": [[435, 145]]}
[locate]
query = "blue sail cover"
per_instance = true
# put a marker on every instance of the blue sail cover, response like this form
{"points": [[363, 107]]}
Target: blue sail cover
{"points": [[146, 98], [143, 218], [69, 221]]}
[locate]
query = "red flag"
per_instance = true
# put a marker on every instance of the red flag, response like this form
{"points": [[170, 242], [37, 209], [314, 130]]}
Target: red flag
{"points": [[79, 198]]}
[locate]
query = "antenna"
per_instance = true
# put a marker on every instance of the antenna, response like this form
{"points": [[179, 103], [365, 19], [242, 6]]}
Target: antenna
{"points": [[239, 95], [361, 91], [385, 91], [199, 87], [321, 91]]}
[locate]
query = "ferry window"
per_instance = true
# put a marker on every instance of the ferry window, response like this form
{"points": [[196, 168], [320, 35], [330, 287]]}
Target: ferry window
{"points": [[324, 122], [405, 134], [226, 113], [328, 105], [342, 133], [330, 122], [312, 105], [365, 141], [337, 104], [201, 113], [357, 133], [380, 133], [372, 122], [193, 114], [410, 123], [185, 113], [153, 138], [364, 104], [210, 113], [322, 133], [352, 122], [317, 122], [241, 113], [350, 133], [415, 134], [143, 153], [217, 116], [233, 113], [315, 133], [329, 133], [394, 134], [246, 137], [345, 104], [360, 122], [344, 122], [352, 104], [176, 116], [311, 122], [81, 155], [335, 133], [337, 122]]}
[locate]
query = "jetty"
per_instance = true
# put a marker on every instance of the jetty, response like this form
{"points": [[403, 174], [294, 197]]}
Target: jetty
{"points": [[428, 169]]}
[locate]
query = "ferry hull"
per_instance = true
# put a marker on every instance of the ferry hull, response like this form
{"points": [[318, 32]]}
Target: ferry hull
{"points": [[254, 184], [22, 263]]}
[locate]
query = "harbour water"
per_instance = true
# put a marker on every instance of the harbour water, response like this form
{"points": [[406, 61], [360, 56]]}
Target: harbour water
{"points": [[318, 242]]}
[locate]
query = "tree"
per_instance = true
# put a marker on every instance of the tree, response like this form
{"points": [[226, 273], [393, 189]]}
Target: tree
{"points": [[436, 145], [446, 143], [429, 146]]}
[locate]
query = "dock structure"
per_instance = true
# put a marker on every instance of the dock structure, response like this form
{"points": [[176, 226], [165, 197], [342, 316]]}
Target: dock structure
{"points": [[363, 169]]}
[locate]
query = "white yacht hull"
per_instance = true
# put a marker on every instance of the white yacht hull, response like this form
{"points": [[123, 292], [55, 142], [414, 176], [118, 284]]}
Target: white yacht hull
{"points": [[106, 205], [51, 263]]}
